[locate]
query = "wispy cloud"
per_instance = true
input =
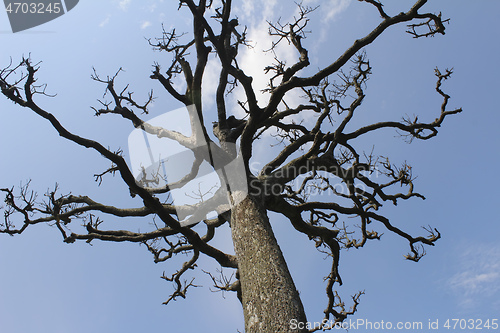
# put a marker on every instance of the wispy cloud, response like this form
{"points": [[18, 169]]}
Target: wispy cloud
{"points": [[124, 4], [152, 8], [327, 13], [479, 275], [145, 24], [329, 9], [105, 21], [255, 11], [246, 10], [254, 60], [334, 8], [211, 75]]}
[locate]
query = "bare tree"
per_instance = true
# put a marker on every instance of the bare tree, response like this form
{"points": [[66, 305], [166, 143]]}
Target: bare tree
{"points": [[317, 179]]}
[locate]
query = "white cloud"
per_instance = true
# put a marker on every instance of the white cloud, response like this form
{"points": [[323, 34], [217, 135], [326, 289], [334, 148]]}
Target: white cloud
{"points": [[254, 60], [105, 21], [246, 10], [327, 12], [248, 7], [478, 277], [145, 24], [329, 9], [124, 4], [254, 11], [210, 82], [152, 7], [269, 8], [333, 9], [473, 282]]}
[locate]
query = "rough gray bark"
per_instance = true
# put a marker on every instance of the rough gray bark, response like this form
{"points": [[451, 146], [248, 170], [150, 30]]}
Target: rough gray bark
{"points": [[269, 297]]}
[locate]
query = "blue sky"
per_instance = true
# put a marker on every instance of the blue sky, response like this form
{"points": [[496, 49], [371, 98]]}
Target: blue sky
{"points": [[46, 285]]}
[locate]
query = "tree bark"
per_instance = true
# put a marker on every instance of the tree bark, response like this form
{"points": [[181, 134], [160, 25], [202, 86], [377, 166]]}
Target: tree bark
{"points": [[269, 297]]}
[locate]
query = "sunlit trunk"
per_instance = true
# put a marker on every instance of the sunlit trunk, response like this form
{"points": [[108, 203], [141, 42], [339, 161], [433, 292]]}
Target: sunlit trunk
{"points": [[271, 303]]}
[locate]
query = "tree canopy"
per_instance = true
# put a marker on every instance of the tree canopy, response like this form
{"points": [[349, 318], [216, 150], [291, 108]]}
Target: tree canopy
{"points": [[314, 175]]}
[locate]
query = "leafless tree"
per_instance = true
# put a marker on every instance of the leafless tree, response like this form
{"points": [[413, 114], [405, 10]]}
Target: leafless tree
{"points": [[317, 179]]}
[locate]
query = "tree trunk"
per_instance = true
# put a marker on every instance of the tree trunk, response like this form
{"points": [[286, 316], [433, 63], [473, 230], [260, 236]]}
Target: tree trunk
{"points": [[271, 303]]}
